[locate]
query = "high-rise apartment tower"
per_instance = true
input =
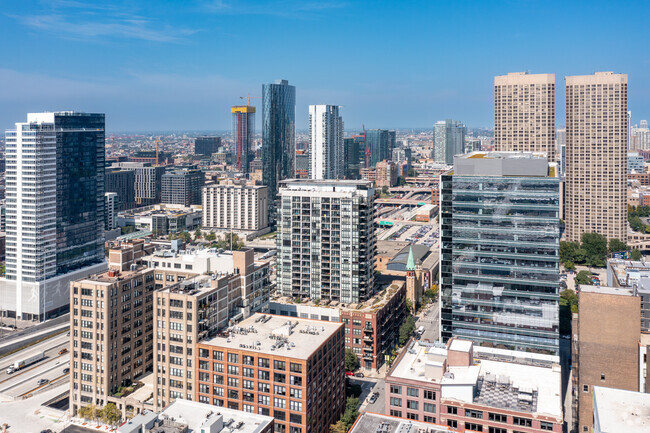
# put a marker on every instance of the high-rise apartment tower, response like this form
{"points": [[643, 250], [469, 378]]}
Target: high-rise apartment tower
{"points": [[326, 151], [243, 129], [596, 155], [524, 113]]}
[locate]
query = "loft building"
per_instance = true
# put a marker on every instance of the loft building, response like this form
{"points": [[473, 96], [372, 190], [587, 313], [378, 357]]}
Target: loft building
{"points": [[54, 220], [499, 270], [291, 370], [326, 240]]}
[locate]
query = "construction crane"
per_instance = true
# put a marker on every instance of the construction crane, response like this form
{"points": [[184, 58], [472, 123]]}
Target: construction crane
{"points": [[158, 143], [248, 98]]}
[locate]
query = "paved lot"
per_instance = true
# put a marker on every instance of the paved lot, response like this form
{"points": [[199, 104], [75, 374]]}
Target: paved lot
{"points": [[28, 416]]}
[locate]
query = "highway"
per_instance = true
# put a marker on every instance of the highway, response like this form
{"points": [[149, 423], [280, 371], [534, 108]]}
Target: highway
{"points": [[25, 381]]}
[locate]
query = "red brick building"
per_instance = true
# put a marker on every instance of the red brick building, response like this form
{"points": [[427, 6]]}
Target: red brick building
{"points": [[291, 370]]}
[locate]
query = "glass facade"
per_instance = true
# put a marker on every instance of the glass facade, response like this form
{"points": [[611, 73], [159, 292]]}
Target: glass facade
{"points": [[381, 143], [351, 150], [79, 190], [448, 140], [278, 134], [500, 261]]}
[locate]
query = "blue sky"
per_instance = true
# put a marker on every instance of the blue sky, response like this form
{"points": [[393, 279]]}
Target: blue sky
{"points": [[180, 65]]}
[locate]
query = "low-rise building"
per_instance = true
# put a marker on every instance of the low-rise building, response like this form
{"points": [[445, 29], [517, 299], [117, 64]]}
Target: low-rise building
{"points": [[289, 369], [369, 422], [185, 416], [467, 387], [616, 410], [162, 219], [371, 327], [122, 255]]}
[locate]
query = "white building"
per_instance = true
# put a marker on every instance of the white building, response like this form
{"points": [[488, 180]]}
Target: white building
{"points": [[54, 210], [326, 240], [325, 142], [617, 410], [235, 206], [110, 217]]}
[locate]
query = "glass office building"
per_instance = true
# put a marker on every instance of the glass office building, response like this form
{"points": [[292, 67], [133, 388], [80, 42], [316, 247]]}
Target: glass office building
{"points": [[500, 251], [278, 134], [381, 143]]}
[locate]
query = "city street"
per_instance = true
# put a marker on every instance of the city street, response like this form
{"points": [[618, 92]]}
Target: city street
{"points": [[429, 319], [369, 386]]}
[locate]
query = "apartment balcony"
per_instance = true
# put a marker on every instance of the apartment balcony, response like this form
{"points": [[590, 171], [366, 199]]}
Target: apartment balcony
{"points": [[368, 348], [368, 339]]}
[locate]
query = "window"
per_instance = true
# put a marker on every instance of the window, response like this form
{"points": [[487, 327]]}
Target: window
{"points": [[412, 392], [412, 416], [280, 390], [394, 401], [452, 423], [394, 389], [585, 388], [279, 365], [428, 418], [473, 414], [248, 384], [497, 417], [295, 406], [429, 407], [397, 413], [295, 393], [412, 404], [233, 382], [295, 418], [248, 360], [233, 357], [217, 366], [217, 355], [472, 426], [497, 430], [279, 377], [429, 395], [248, 372], [526, 422], [602, 375], [263, 399], [233, 369], [544, 425], [263, 374], [452, 410], [295, 368], [263, 387], [279, 402], [263, 362]]}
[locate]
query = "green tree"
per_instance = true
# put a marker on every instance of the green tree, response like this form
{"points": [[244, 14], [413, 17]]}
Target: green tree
{"points": [[351, 360], [197, 233], [406, 330], [568, 251], [568, 305], [351, 411], [595, 246], [210, 236], [569, 266], [339, 427], [616, 246], [86, 412], [110, 414], [409, 305], [583, 277], [3, 269], [384, 190], [636, 255], [401, 181]]}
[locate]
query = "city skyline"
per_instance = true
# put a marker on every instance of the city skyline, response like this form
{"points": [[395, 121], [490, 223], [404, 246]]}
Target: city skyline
{"points": [[166, 71]]}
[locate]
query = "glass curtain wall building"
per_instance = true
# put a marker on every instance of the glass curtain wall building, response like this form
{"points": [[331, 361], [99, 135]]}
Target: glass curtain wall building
{"points": [[448, 140], [381, 143], [243, 129], [500, 251], [278, 134]]}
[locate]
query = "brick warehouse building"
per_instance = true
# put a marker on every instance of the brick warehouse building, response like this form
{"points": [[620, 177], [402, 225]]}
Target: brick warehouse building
{"points": [[289, 369]]}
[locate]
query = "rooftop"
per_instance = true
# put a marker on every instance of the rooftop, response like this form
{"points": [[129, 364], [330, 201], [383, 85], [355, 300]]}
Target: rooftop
{"points": [[277, 335], [375, 423], [113, 276], [160, 209], [501, 378], [219, 261], [605, 290], [617, 410], [194, 286], [521, 164]]}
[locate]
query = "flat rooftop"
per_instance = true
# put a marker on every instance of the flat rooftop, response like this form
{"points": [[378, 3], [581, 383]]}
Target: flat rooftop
{"points": [[194, 286], [277, 335], [195, 415], [106, 278], [369, 422], [521, 164], [605, 290], [504, 379], [218, 261], [617, 410]]}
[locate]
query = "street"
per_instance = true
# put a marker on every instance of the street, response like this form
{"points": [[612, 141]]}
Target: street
{"points": [[369, 386], [429, 319]]}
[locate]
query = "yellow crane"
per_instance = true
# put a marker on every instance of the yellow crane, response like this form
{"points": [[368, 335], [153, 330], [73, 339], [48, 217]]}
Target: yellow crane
{"points": [[248, 98]]}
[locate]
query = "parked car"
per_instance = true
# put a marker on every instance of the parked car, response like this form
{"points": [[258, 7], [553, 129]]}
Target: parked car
{"points": [[349, 373], [373, 398], [358, 374]]}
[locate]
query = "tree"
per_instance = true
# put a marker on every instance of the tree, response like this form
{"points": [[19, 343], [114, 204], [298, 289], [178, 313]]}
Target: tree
{"points": [[401, 181], [339, 427], [634, 255], [86, 412], [110, 414], [197, 233], [351, 360], [583, 277], [616, 246], [210, 236], [595, 246], [351, 411], [569, 266], [568, 306], [384, 190], [406, 330], [409, 304]]}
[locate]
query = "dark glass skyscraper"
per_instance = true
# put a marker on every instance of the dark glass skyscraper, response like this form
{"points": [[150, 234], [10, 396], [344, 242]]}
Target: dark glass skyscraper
{"points": [[381, 142], [278, 134]]}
